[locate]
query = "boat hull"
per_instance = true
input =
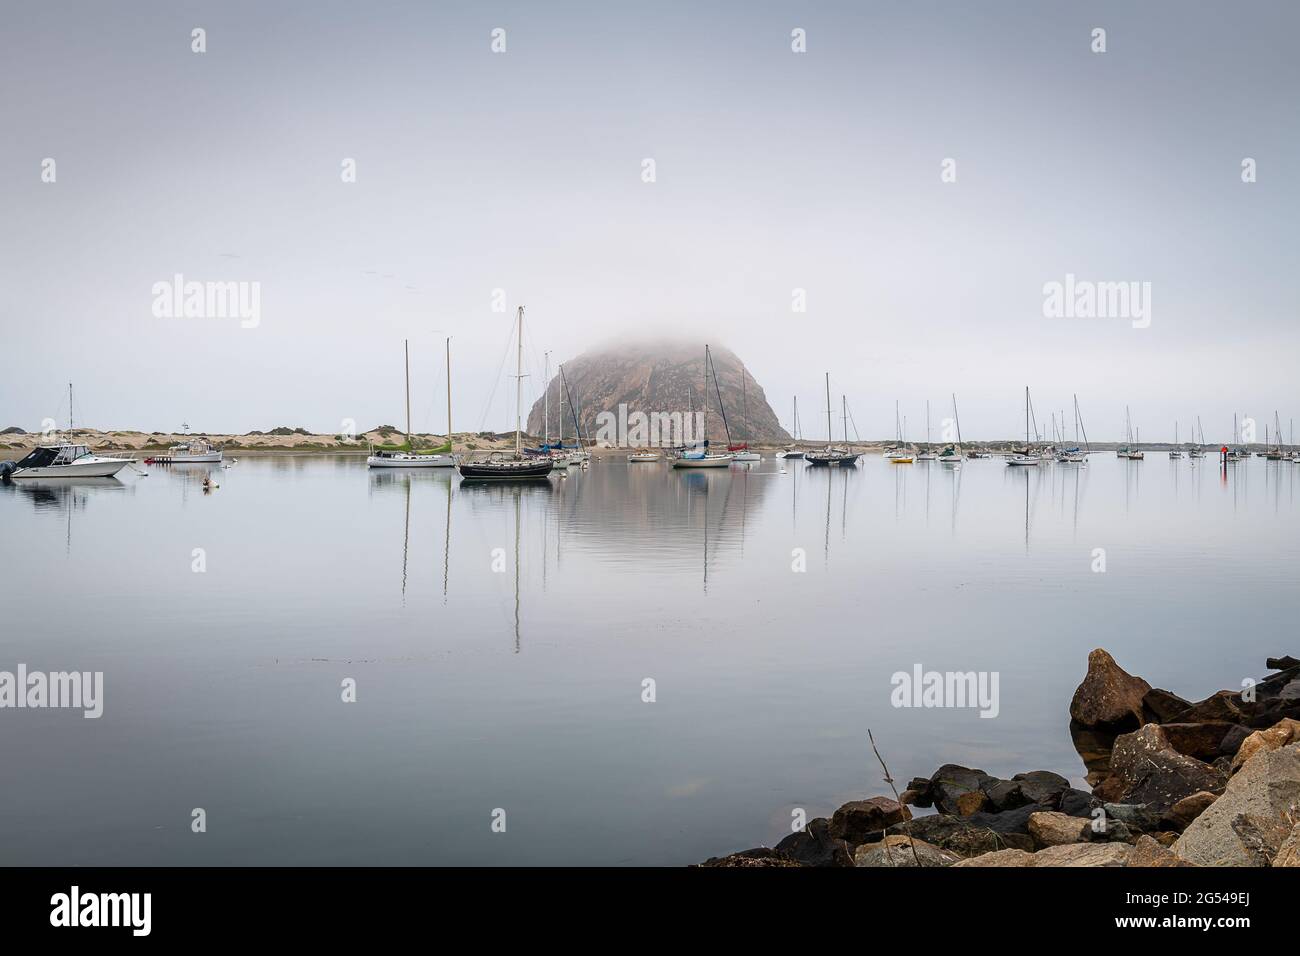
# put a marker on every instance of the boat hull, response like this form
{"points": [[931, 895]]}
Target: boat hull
{"points": [[720, 461], [505, 471], [415, 461], [830, 461], [96, 468]]}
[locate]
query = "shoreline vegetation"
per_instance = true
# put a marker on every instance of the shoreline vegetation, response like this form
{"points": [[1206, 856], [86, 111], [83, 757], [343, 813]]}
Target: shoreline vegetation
{"points": [[1173, 783], [15, 442]]}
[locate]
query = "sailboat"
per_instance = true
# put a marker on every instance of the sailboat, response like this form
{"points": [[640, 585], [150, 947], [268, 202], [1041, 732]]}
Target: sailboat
{"points": [[700, 456], [899, 455], [1028, 457], [1274, 452], [1074, 456], [928, 453], [830, 455], [65, 460], [1176, 451], [1198, 441], [500, 467], [951, 454], [740, 451], [792, 451], [404, 456]]}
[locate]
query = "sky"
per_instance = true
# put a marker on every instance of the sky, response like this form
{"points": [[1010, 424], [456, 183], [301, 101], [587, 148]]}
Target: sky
{"points": [[524, 171]]}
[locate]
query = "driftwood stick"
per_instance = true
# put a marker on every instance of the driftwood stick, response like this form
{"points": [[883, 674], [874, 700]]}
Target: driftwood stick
{"points": [[907, 814]]}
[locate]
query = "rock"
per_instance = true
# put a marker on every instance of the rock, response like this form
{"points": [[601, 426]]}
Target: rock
{"points": [[1288, 854], [1077, 803], [951, 781], [1084, 854], [1225, 706], [909, 798], [896, 850], [1000, 858], [862, 821], [919, 789], [1249, 822], [1162, 706], [1133, 816], [1150, 771], [1203, 741], [971, 802], [1166, 838], [1281, 663], [1008, 821], [1005, 795], [1279, 735], [1148, 852], [1051, 828], [759, 856], [814, 846], [1041, 786], [1094, 748], [1109, 696], [962, 837], [1182, 813]]}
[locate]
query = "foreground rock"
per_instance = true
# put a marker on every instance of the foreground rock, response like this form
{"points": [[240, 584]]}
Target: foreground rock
{"points": [[1146, 769], [1284, 732], [862, 821], [896, 850], [1050, 828], [759, 856], [1149, 852], [814, 846], [1250, 822], [1074, 854], [1109, 697], [961, 836]]}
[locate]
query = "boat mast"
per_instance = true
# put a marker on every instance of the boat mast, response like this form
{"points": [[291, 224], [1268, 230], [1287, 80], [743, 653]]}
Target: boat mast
{"points": [[449, 393], [406, 347], [519, 389], [957, 420], [71, 434], [1026, 418], [844, 416], [718, 388], [546, 399], [830, 436]]}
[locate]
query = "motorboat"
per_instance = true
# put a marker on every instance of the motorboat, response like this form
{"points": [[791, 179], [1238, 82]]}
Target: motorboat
{"points": [[65, 460]]}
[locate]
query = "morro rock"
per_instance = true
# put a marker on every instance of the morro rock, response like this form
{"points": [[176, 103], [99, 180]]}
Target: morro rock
{"points": [[664, 378]]}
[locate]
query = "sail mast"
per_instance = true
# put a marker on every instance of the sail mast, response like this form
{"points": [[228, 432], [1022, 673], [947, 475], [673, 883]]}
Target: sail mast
{"points": [[406, 346], [830, 436], [519, 389], [546, 400], [449, 393]]}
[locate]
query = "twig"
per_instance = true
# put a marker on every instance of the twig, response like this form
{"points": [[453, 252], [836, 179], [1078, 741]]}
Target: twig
{"points": [[907, 814]]}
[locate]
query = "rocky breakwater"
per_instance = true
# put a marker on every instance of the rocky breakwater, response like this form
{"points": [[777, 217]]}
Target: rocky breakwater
{"points": [[1172, 783]]}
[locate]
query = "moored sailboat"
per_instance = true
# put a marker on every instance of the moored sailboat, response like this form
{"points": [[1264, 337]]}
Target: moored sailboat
{"points": [[406, 456]]}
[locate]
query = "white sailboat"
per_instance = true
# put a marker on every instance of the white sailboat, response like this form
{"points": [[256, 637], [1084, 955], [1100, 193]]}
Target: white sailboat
{"points": [[701, 456], [899, 455], [928, 453], [1029, 457], [1176, 451], [951, 454], [404, 456]]}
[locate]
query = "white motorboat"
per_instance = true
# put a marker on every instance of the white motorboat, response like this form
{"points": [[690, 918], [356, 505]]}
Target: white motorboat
{"points": [[194, 451], [701, 460], [746, 456], [65, 461], [643, 456]]}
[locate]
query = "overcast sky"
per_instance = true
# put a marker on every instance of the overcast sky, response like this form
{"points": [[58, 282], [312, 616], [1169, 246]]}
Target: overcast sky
{"points": [[775, 171]]}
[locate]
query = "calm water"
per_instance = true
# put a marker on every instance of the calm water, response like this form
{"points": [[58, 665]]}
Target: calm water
{"points": [[521, 688]]}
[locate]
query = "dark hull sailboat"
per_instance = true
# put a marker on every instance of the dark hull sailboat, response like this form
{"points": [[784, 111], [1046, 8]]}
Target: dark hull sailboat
{"points": [[506, 469], [518, 467]]}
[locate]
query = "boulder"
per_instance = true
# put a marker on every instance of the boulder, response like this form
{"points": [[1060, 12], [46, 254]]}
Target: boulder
{"points": [[1005, 795], [1109, 696], [1149, 852], [1008, 821], [1052, 828], [1225, 706], [861, 821], [1182, 813], [1288, 854], [1041, 786], [962, 837], [1285, 731], [972, 802], [759, 856], [1204, 741], [1252, 819], [1077, 803], [1084, 854], [814, 846], [1000, 858], [1162, 706], [896, 850], [1145, 768], [1135, 817], [951, 781]]}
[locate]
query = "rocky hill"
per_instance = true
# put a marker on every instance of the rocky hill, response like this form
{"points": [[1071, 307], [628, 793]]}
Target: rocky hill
{"points": [[660, 378]]}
